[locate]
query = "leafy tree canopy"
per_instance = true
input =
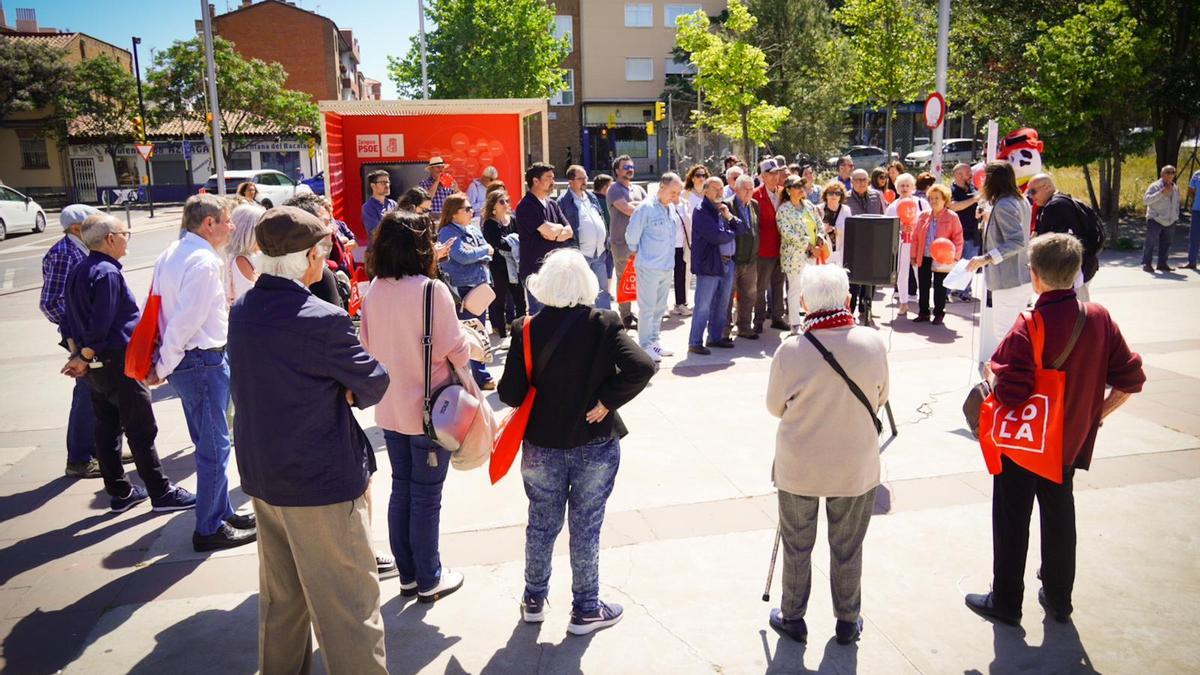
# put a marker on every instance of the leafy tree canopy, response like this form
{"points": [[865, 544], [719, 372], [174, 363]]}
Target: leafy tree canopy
{"points": [[32, 75]]}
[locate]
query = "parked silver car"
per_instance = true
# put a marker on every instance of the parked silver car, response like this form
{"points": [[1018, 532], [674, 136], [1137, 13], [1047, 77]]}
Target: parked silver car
{"points": [[865, 157], [954, 150]]}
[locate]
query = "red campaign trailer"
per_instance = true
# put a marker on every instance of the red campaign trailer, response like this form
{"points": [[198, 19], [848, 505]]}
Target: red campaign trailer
{"points": [[400, 137]]}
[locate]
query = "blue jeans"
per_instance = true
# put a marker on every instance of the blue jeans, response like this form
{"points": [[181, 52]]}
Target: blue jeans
{"points": [[415, 507], [481, 374], [1157, 237], [603, 300], [1194, 238], [653, 291], [578, 480], [81, 425], [713, 295], [532, 304], [202, 381]]}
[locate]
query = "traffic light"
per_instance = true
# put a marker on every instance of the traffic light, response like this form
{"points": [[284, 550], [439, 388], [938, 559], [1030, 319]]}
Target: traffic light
{"points": [[208, 118], [660, 111], [139, 128], [649, 128]]}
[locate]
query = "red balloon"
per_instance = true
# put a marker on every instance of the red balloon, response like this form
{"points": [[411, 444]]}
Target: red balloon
{"points": [[889, 196], [942, 251], [446, 179], [977, 175], [906, 208]]}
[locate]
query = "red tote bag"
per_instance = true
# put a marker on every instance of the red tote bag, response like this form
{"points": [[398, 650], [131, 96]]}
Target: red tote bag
{"points": [[512, 429], [1031, 434], [627, 285], [139, 354]]}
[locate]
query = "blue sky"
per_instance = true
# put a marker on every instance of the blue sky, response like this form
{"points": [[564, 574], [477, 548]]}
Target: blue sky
{"points": [[382, 26]]}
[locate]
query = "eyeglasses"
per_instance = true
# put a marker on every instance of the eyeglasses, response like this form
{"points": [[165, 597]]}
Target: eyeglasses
{"points": [[467, 208], [382, 182], [501, 201], [128, 234], [700, 175], [628, 167]]}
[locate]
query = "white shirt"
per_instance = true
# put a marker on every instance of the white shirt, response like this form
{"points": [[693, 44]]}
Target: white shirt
{"points": [[591, 227], [692, 203], [190, 277]]}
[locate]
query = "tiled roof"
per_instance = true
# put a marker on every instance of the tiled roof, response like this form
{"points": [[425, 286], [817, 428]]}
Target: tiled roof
{"points": [[56, 40]]}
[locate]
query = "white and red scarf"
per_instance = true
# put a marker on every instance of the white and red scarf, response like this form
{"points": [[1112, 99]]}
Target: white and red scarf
{"points": [[829, 318]]}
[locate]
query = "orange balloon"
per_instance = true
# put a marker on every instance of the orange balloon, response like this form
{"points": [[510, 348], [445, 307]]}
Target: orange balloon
{"points": [[889, 196], [942, 251], [907, 210]]}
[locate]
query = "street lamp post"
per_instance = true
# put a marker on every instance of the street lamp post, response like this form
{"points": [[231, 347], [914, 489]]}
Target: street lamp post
{"points": [[424, 67], [137, 71], [215, 151], [943, 38]]}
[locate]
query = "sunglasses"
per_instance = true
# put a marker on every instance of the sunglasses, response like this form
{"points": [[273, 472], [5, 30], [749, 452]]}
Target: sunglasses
{"points": [[628, 167], [467, 208], [700, 175], [501, 201]]}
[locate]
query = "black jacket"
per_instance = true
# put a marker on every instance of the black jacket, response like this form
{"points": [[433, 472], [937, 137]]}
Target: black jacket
{"points": [[1060, 214], [292, 357], [595, 361]]}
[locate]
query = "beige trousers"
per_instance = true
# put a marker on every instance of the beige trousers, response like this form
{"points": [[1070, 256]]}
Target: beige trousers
{"points": [[316, 567]]}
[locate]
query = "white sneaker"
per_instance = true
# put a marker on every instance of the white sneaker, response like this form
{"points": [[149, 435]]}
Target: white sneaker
{"points": [[674, 311], [662, 351], [652, 352], [683, 310], [451, 581]]}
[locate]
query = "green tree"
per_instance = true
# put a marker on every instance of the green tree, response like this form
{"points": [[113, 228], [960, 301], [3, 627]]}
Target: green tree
{"points": [[250, 93], [1087, 92], [31, 76], [730, 73], [103, 101], [485, 49], [891, 49], [1169, 29], [804, 51]]}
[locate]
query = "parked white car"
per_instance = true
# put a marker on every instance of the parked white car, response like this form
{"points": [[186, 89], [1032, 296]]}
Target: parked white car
{"points": [[273, 187], [954, 150], [865, 157], [19, 212]]}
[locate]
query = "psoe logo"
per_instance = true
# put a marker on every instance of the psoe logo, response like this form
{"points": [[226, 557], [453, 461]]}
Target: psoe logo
{"points": [[1023, 428], [367, 145]]}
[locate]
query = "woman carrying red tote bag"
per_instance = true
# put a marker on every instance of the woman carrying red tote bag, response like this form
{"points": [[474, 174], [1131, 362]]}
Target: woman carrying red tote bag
{"points": [[1031, 435]]}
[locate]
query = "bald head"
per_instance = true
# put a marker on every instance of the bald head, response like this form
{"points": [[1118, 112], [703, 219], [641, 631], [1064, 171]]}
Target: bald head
{"points": [[1040, 188]]}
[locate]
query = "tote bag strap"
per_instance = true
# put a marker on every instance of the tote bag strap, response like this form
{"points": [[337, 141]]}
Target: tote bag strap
{"points": [[1080, 319], [427, 345], [548, 350]]}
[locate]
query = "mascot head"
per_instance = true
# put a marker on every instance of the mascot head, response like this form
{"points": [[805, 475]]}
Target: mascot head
{"points": [[1023, 150]]}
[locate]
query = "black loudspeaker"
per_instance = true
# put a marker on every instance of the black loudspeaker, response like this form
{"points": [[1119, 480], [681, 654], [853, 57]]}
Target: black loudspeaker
{"points": [[871, 246]]}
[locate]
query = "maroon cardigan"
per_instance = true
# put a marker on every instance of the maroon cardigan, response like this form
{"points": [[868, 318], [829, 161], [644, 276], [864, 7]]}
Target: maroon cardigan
{"points": [[1100, 358]]}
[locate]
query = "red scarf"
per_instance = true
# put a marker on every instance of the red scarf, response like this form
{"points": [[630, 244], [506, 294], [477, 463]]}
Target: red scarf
{"points": [[828, 318]]}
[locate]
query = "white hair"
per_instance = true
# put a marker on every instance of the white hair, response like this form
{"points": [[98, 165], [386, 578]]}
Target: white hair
{"points": [[905, 178], [824, 287], [244, 218], [96, 228], [288, 266], [565, 280], [669, 178], [733, 172], [743, 179]]}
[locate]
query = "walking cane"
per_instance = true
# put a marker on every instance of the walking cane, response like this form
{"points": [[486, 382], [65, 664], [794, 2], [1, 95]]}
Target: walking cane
{"points": [[766, 596]]}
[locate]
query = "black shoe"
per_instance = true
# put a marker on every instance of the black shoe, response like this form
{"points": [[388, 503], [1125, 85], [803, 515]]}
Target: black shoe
{"points": [[1189, 266], [1061, 616], [630, 322], [88, 469], [983, 605], [793, 628], [748, 335], [242, 521], [723, 343], [780, 325], [699, 349], [224, 537], [921, 318], [848, 631], [1147, 268], [385, 566], [1165, 268], [938, 319]]}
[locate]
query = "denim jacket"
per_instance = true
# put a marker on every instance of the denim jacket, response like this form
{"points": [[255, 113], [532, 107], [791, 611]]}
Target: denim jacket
{"points": [[467, 264], [651, 235]]}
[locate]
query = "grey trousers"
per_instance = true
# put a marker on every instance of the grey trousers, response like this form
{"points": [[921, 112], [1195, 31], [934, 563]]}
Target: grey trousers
{"points": [[770, 279], [745, 288], [848, 519]]}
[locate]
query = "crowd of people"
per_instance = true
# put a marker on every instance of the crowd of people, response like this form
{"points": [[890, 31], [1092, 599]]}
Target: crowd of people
{"points": [[256, 341]]}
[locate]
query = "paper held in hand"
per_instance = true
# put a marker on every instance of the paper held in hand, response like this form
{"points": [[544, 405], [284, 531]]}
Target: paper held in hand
{"points": [[958, 279]]}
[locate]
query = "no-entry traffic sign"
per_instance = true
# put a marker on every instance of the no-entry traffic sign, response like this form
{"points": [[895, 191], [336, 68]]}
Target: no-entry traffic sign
{"points": [[935, 110]]}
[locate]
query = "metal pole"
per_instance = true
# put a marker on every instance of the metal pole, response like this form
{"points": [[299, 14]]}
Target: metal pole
{"points": [[137, 71], [670, 133], [943, 39], [424, 67], [215, 152]]}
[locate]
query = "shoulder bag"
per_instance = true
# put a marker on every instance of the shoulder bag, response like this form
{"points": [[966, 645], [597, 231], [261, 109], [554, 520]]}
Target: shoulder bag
{"points": [[456, 416], [143, 343], [858, 393], [512, 429]]}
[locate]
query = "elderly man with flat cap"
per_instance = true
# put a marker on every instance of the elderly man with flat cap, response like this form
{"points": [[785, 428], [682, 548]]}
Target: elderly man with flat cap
{"points": [[433, 187], [298, 367]]}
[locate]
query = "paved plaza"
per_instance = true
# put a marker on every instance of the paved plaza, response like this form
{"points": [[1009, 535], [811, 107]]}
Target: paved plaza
{"points": [[687, 539]]}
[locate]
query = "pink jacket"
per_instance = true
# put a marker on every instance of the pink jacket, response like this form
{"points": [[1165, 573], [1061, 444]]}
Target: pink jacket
{"points": [[947, 226], [391, 331]]}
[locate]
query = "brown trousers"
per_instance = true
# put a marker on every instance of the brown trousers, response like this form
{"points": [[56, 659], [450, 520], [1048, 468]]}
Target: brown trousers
{"points": [[316, 567]]}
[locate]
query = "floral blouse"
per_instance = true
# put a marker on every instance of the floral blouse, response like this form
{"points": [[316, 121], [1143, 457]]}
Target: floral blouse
{"points": [[798, 229]]}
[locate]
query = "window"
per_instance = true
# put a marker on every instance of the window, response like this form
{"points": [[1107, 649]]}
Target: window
{"points": [[673, 67], [266, 179], [82, 50], [673, 12], [33, 154], [562, 29], [639, 15], [631, 140], [639, 70], [7, 195], [567, 95]]}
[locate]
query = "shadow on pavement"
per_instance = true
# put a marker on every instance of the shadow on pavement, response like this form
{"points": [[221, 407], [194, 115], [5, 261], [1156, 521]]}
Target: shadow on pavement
{"points": [[38, 550], [211, 641], [524, 653], [21, 503], [789, 656], [411, 643], [1061, 651]]}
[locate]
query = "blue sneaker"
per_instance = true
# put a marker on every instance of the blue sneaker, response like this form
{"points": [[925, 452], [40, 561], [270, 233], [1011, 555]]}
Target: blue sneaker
{"points": [[174, 499], [796, 629], [533, 610], [602, 617], [137, 494]]}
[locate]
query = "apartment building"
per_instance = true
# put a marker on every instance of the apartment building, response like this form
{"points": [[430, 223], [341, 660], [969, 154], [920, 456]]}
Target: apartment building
{"points": [[564, 115], [625, 55]]}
